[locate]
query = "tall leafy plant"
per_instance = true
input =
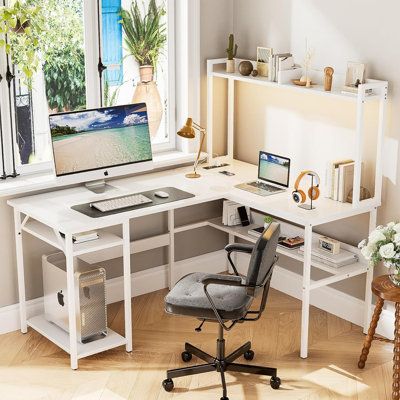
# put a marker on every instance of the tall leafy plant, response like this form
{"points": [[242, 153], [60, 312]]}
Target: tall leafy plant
{"points": [[145, 32]]}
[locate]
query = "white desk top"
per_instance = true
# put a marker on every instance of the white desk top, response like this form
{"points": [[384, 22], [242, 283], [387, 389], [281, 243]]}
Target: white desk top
{"points": [[54, 208]]}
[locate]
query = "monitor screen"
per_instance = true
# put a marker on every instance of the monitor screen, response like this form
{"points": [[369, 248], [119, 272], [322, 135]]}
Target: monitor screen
{"points": [[95, 139], [274, 169]]}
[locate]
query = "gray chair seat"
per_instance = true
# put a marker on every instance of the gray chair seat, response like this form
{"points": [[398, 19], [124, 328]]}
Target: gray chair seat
{"points": [[188, 298]]}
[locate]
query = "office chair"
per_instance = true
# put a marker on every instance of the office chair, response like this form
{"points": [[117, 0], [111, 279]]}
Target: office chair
{"points": [[226, 299]]}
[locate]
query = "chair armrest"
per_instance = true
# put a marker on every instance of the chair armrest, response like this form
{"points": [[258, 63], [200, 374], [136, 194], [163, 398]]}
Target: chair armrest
{"points": [[227, 280], [239, 247]]}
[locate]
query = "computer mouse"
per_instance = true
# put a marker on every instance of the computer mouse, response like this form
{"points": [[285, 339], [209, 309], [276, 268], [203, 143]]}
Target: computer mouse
{"points": [[161, 194]]}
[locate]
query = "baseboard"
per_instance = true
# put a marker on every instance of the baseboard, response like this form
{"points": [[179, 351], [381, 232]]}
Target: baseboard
{"points": [[150, 280]]}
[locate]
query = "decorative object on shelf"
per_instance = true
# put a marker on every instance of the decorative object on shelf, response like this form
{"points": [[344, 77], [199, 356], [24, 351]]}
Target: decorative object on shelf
{"points": [[21, 25], [254, 73], [307, 64], [355, 76], [246, 68], [231, 215], [231, 51], [145, 38], [329, 245], [385, 291], [299, 82], [267, 221], [364, 195], [313, 192], [291, 242], [188, 131], [383, 245], [328, 71], [264, 55]]}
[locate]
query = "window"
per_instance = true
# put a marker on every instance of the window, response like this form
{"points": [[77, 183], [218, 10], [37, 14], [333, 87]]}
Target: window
{"points": [[87, 62]]}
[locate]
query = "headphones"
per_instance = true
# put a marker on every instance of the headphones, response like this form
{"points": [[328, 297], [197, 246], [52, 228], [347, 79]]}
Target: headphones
{"points": [[313, 192]]}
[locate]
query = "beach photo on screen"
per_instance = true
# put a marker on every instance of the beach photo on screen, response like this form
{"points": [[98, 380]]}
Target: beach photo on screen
{"points": [[93, 139], [274, 168]]}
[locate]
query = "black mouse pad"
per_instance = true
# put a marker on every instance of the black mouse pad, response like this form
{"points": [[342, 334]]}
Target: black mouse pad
{"points": [[174, 195]]}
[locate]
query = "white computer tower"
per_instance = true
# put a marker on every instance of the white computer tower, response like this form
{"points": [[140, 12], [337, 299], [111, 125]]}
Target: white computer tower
{"points": [[90, 296]]}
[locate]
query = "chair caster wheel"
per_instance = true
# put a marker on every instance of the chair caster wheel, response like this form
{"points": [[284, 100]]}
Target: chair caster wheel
{"points": [[275, 382], [249, 355], [186, 356], [168, 385]]}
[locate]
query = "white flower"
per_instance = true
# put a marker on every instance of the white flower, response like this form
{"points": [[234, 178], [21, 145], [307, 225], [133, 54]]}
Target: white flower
{"points": [[397, 228], [362, 244], [379, 227], [387, 250], [367, 251], [376, 236], [390, 225], [396, 238]]}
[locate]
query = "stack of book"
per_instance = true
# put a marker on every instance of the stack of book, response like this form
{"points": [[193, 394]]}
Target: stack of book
{"points": [[85, 237], [230, 215], [339, 179], [344, 257], [280, 62]]}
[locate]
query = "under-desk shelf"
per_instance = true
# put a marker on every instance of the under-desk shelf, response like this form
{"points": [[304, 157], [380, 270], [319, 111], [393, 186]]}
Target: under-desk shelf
{"points": [[241, 232], [106, 239], [61, 338]]}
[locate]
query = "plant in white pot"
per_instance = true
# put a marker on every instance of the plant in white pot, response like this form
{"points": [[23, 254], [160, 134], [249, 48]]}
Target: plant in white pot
{"points": [[383, 245], [145, 38], [231, 52]]}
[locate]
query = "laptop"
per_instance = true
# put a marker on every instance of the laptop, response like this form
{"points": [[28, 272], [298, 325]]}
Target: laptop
{"points": [[273, 175]]}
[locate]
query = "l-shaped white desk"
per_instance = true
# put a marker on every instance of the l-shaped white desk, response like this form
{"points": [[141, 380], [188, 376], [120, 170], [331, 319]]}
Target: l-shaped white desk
{"points": [[46, 215]]}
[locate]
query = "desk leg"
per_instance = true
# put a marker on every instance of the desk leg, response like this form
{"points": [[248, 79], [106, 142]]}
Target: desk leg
{"points": [[127, 285], [73, 340], [369, 278], [171, 249], [20, 271], [305, 310]]}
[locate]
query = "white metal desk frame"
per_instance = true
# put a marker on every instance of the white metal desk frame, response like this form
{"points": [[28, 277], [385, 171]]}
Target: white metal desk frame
{"points": [[380, 91]]}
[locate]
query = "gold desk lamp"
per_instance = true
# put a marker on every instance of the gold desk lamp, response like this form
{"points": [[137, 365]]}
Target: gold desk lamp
{"points": [[188, 131]]}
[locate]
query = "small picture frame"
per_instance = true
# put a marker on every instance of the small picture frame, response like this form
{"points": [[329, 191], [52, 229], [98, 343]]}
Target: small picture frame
{"points": [[355, 76], [264, 55]]}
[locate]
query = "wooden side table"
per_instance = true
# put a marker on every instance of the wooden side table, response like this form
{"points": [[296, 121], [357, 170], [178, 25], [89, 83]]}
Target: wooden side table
{"points": [[384, 289]]}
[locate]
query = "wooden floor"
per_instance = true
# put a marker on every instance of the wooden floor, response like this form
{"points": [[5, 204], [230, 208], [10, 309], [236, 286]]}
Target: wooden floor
{"points": [[33, 368]]}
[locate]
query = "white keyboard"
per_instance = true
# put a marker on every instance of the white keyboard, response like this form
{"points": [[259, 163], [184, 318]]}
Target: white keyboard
{"points": [[121, 202]]}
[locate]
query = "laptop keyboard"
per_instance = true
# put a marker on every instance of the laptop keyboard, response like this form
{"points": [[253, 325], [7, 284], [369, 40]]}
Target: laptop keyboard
{"points": [[265, 186]]}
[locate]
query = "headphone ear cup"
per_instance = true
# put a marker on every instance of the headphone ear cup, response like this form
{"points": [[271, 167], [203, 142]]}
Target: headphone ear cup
{"points": [[313, 192], [299, 196]]}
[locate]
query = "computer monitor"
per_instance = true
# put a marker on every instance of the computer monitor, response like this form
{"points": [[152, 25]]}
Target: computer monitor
{"points": [[92, 145], [274, 169]]}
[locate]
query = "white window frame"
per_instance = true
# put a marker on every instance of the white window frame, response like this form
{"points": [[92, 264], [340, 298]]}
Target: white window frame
{"points": [[183, 30]]}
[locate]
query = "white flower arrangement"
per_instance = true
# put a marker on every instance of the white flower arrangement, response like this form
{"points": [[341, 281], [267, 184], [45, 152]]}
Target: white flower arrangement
{"points": [[383, 244]]}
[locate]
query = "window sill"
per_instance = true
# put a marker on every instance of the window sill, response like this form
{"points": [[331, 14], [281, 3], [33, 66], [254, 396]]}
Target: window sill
{"points": [[45, 180]]}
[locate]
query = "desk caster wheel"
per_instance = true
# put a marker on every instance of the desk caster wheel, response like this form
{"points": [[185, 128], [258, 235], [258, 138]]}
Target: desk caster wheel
{"points": [[249, 355], [275, 382], [168, 385], [186, 356]]}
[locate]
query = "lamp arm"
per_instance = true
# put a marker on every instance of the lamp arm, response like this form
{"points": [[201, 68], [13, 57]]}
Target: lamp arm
{"points": [[203, 135], [199, 127]]}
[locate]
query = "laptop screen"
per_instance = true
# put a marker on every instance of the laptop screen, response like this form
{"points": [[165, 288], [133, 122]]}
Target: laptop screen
{"points": [[274, 169]]}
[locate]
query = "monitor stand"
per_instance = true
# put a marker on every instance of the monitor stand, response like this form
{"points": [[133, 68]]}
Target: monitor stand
{"points": [[99, 187]]}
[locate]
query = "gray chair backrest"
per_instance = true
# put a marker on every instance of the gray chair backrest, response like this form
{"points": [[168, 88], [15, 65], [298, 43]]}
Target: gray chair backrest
{"points": [[263, 255]]}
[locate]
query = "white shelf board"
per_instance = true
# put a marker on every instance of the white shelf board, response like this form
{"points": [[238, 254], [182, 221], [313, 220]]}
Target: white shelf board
{"points": [[61, 338], [106, 239], [241, 232], [315, 89]]}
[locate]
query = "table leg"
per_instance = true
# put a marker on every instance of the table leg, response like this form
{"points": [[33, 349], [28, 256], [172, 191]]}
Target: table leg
{"points": [[371, 333], [20, 271], [305, 308], [171, 249], [396, 356], [73, 340], [127, 285]]}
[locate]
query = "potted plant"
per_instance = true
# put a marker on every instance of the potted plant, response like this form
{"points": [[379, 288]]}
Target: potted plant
{"points": [[23, 24], [383, 245], [231, 52], [267, 221], [145, 39]]}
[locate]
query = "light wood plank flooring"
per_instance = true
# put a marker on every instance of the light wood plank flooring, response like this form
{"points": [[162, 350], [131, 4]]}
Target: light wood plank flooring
{"points": [[33, 368]]}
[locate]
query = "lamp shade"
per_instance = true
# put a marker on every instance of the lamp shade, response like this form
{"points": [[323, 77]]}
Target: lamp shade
{"points": [[187, 131]]}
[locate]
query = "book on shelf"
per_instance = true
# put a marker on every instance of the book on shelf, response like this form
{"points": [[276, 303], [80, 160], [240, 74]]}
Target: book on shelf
{"points": [[84, 237], [276, 61], [230, 214], [343, 258]]}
